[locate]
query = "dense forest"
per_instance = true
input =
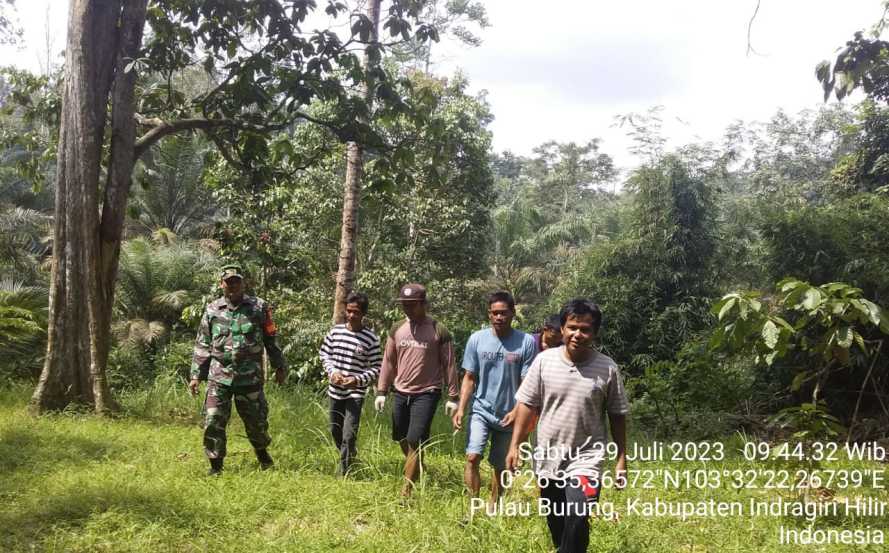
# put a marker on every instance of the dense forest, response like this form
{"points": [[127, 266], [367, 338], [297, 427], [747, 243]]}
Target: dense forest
{"points": [[741, 280]]}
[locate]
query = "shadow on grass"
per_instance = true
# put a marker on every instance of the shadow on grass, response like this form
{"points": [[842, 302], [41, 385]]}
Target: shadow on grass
{"points": [[36, 450], [29, 523], [163, 404]]}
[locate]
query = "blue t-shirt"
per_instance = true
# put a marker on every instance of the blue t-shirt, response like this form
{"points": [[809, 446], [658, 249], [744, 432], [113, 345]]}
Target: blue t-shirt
{"points": [[498, 365]]}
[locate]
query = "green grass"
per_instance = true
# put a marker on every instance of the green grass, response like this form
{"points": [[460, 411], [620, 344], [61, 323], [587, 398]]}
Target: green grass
{"points": [[75, 482]]}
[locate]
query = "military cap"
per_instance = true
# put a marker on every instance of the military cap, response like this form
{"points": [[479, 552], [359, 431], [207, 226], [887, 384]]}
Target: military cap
{"points": [[232, 270]]}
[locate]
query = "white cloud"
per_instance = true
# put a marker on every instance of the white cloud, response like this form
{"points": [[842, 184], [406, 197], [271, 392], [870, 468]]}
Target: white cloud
{"points": [[562, 69]]}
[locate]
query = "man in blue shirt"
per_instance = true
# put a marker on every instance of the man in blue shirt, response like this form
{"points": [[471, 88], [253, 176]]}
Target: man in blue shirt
{"points": [[496, 359]]}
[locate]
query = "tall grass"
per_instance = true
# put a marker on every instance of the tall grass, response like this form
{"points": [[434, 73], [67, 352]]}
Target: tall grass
{"points": [[74, 482]]}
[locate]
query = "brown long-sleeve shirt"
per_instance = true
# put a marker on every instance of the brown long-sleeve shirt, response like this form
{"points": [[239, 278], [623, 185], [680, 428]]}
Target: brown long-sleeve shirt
{"points": [[419, 358]]}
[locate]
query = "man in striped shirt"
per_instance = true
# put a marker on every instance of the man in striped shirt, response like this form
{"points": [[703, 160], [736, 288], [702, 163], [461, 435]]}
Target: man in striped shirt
{"points": [[351, 357]]}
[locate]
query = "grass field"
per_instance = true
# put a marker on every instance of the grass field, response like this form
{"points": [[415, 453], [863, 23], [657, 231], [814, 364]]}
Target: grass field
{"points": [[74, 482]]}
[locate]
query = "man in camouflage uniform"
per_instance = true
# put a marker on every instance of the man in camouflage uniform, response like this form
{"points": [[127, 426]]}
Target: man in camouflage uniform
{"points": [[228, 349]]}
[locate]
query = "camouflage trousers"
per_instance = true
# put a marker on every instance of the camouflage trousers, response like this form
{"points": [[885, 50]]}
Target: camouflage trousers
{"points": [[252, 407]]}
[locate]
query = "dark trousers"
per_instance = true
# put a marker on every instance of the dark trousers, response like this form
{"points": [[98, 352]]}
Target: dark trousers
{"points": [[412, 417], [568, 524], [345, 415]]}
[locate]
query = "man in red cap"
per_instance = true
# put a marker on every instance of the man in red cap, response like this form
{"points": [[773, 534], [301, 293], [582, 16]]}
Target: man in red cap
{"points": [[419, 362]]}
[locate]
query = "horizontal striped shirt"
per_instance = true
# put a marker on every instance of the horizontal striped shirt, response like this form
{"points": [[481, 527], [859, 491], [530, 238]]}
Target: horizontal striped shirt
{"points": [[352, 354], [572, 399]]}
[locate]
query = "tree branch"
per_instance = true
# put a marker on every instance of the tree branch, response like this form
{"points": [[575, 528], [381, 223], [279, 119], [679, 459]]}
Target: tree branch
{"points": [[861, 393], [750, 49], [161, 128]]}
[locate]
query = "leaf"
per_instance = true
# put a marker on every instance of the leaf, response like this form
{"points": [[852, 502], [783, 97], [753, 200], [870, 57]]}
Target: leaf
{"points": [[859, 339], [811, 299], [799, 380], [844, 337], [717, 305], [726, 308], [783, 323], [873, 311], [770, 334], [792, 299], [834, 286], [789, 284]]}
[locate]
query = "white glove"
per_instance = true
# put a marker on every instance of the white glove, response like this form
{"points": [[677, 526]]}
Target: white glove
{"points": [[380, 403], [451, 408]]}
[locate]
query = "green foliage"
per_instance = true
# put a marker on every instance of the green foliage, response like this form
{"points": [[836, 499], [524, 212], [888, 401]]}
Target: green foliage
{"points": [[25, 238], [808, 421], [653, 281], [862, 64], [839, 241], [866, 168], [424, 216], [459, 20], [695, 395], [155, 283], [566, 173], [786, 161], [22, 327], [827, 323], [29, 122], [529, 253], [169, 191], [816, 330], [266, 70], [160, 283], [132, 369], [645, 131], [435, 222]]}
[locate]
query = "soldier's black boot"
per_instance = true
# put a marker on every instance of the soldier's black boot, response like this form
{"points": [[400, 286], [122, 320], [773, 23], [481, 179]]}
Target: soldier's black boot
{"points": [[215, 467], [265, 460]]}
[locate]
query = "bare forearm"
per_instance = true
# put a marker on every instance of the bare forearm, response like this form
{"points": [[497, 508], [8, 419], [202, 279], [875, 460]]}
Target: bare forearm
{"points": [[520, 430], [618, 424], [466, 390]]}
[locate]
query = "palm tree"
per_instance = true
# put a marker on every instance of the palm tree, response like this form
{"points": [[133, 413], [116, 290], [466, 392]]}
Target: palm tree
{"points": [[156, 282], [25, 244], [528, 251], [170, 191], [23, 311]]}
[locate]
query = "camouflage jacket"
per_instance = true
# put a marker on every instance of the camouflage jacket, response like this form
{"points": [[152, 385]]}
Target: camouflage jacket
{"points": [[230, 341]]}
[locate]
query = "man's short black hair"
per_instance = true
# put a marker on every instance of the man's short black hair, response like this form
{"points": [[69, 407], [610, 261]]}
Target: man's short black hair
{"points": [[360, 299], [553, 322], [501, 295], [580, 306]]}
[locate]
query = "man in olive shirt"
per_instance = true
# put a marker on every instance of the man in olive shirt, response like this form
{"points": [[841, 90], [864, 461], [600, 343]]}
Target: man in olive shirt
{"points": [[233, 332], [418, 361]]}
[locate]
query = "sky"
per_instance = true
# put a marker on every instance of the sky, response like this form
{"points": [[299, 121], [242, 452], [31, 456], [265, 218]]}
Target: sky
{"points": [[563, 69], [564, 72]]}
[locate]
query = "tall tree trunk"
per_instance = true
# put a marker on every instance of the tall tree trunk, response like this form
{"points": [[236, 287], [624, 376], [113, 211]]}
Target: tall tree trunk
{"points": [[345, 275], [102, 36]]}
